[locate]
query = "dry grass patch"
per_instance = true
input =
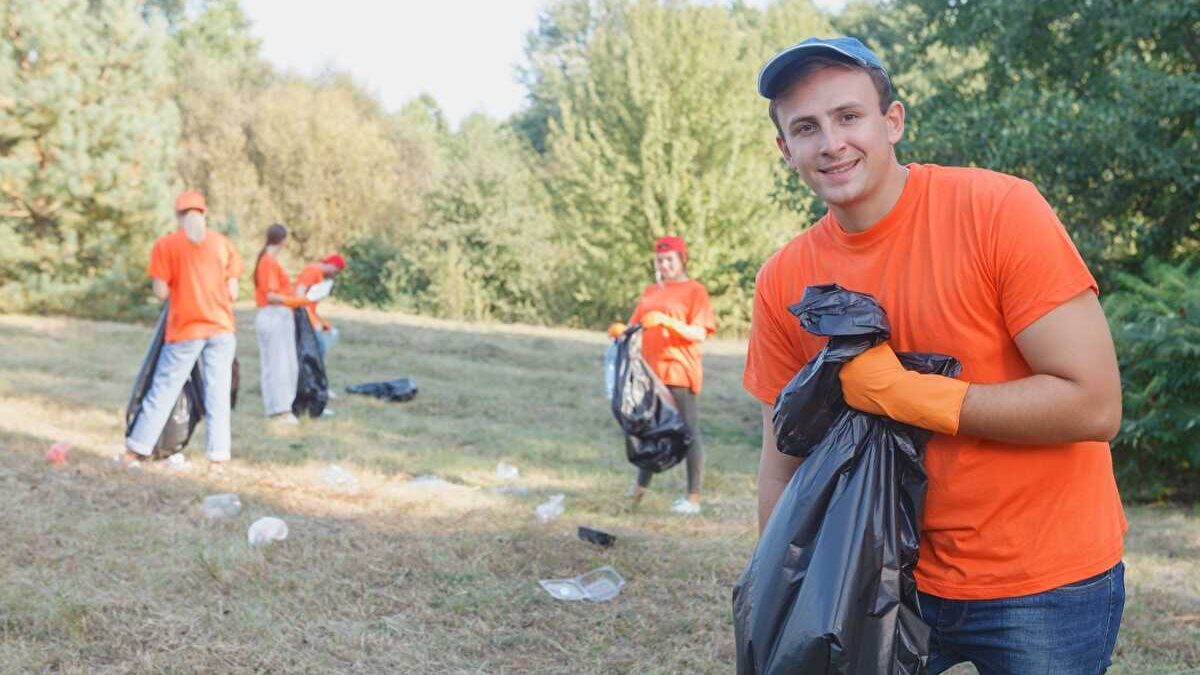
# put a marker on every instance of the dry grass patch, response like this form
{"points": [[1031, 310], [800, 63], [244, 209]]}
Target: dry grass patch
{"points": [[110, 571]]}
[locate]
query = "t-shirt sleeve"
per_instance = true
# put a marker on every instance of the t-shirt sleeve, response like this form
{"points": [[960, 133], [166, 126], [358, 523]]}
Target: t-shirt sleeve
{"points": [[700, 313], [771, 359], [266, 276], [1036, 266], [638, 310], [160, 262], [233, 265]]}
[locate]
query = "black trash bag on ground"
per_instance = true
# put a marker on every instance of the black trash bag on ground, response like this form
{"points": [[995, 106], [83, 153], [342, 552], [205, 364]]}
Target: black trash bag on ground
{"points": [[403, 389], [188, 409], [656, 435], [830, 588], [312, 388]]}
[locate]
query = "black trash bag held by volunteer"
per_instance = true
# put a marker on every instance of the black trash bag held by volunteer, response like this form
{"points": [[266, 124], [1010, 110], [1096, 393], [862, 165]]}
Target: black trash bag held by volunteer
{"points": [[397, 391], [656, 435], [830, 587], [312, 387], [188, 409]]}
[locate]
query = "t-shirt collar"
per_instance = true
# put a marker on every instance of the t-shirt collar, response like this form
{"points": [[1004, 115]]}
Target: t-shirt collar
{"points": [[913, 187]]}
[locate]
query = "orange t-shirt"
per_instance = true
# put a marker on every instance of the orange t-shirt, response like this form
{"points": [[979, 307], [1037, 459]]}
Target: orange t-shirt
{"points": [[674, 359], [197, 275], [310, 276], [964, 261], [269, 277]]}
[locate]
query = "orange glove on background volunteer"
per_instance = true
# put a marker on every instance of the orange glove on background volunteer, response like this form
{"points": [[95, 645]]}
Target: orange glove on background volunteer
{"points": [[656, 319], [615, 330], [295, 301], [875, 382]]}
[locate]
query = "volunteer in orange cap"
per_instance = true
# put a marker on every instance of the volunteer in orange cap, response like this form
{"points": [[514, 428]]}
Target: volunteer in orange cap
{"points": [[676, 316], [197, 270], [1022, 535], [311, 275], [275, 326]]}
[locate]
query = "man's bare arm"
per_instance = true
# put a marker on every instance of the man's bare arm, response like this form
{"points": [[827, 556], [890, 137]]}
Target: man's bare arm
{"points": [[1075, 392], [775, 469], [161, 289]]}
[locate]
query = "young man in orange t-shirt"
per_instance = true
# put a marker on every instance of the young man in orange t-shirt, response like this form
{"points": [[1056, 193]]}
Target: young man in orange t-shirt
{"points": [[1020, 553], [197, 270]]}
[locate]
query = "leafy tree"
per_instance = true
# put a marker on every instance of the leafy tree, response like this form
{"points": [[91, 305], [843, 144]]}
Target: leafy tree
{"points": [[87, 144], [654, 128]]}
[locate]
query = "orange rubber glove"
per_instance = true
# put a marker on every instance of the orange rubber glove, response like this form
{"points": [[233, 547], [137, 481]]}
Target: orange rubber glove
{"points": [[616, 329], [294, 301], [656, 319], [875, 382]]}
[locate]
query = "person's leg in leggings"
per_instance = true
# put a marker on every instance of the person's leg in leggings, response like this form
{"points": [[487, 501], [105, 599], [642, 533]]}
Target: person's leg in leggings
{"points": [[686, 400]]}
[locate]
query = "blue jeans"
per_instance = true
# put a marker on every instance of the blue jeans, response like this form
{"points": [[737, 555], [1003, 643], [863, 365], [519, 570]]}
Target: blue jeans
{"points": [[1069, 630], [325, 340], [174, 365]]}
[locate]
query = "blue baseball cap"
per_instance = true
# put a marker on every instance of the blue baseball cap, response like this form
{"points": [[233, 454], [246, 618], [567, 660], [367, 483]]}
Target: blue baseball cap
{"points": [[772, 78]]}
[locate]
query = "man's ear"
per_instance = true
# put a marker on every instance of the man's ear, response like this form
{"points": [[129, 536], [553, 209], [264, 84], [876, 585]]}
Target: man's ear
{"points": [[784, 150], [894, 117]]}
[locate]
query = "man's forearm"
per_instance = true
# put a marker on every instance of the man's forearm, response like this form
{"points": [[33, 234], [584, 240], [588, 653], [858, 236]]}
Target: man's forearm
{"points": [[1039, 409]]}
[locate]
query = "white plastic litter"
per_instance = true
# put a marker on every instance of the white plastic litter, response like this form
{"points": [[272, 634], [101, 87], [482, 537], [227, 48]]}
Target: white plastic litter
{"points": [[507, 472], [551, 508], [177, 462], [319, 291], [600, 585], [216, 507], [428, 480], [339, 479], [266, 530]]}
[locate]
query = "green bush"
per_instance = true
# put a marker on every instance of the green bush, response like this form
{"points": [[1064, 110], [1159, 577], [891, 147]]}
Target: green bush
{"points": [[1155, 320], [378, 274]]}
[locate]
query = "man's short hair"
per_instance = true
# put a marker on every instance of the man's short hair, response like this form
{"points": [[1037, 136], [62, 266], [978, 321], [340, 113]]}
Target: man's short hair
{"points": [[883, 84]]}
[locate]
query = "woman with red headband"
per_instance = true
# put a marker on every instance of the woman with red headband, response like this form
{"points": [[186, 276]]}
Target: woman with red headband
{"points": [[676, 316], [311, 275]]}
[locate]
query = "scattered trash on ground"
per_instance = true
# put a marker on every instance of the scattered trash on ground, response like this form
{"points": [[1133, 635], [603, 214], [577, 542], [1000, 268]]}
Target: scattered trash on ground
{"points": [[216, 507], [58, 454], [507, 472], [339, 479], [266, 530], [551, 508], [403, 389], [600, 585], [597, 537], [178, 462], [428, 480], [519, 490]]}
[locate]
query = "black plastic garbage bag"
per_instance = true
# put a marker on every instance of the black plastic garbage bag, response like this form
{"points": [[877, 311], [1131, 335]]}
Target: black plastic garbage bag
{"points": [[312, 388], [403, 389], [188, 409], [830, 588], [656, 435]]}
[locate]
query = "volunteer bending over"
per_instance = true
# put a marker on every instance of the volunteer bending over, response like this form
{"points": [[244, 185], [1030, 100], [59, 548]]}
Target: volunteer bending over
{"points": [[676, 316], [311, 275]]}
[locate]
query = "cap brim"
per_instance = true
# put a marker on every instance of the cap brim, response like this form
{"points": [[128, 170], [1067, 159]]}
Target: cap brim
{"points": [[770, 77]]}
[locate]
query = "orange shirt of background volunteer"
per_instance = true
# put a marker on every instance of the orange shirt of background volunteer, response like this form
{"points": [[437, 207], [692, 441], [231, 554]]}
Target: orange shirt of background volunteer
{"points": [[197, 275], [963, 262], [270, 278], [674, 359], [311, 275]]}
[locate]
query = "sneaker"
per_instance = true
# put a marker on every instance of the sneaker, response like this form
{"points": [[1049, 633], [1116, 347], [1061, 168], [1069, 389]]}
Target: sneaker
{"points": [[331, 394], [328, 412], [684, 507], [289, 419]]}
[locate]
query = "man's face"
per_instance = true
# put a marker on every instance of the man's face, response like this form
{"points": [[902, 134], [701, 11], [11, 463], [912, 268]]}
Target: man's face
{"points": [[669, 264], [834, 135]]}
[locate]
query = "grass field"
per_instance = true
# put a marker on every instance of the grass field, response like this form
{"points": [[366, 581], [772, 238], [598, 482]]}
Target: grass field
{"points": [[111, 571]]}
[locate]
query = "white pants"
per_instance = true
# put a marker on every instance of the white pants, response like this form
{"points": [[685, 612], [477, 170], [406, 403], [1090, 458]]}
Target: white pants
{"points": [[276, 330]]}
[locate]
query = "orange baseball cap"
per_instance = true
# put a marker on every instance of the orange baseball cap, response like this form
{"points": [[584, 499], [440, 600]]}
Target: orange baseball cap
{"points": [[190, 201]]}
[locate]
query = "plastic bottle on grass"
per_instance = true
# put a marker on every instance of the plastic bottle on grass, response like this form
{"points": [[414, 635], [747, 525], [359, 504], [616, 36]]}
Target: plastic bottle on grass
{"points": [[216, 507], [267, 530], [610, 369], [551, 508]]}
